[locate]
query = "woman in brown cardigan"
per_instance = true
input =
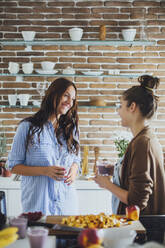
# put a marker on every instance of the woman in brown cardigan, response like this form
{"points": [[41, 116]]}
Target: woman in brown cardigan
{"points": [[142, 172]]}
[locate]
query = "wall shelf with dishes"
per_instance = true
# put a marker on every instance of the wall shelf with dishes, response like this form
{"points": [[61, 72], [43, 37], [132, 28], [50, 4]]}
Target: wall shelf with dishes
{"points": [[36, 106], [81, 42], [84, 74]]}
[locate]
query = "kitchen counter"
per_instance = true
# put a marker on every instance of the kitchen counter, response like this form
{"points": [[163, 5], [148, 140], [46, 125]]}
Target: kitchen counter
{"points": [[92, 198], [8, 183], [51, 242]]}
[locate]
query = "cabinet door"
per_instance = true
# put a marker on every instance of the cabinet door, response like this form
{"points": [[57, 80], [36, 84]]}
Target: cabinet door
{"points": [[14, 203], [94, 201]]}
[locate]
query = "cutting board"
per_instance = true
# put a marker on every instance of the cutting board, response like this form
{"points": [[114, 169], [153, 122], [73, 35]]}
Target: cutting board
{"points": [[136, 225]]}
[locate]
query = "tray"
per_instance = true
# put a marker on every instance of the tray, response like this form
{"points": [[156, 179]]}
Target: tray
{"points": [[63, 229]]}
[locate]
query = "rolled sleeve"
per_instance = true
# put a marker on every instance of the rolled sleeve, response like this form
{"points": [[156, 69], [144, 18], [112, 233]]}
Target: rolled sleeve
{"points": [[140, 181], [17, 154]]}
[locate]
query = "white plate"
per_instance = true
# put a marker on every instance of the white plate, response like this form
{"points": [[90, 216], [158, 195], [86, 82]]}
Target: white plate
{"points": [[92, 73], [40, 71]]}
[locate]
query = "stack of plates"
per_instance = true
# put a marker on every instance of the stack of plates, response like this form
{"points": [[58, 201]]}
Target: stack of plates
{"points": [[92, 73], [41, 71]]}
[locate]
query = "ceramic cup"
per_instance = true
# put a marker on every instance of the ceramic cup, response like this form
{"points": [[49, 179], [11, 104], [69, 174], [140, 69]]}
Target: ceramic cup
{"points": [[23, 98], [28, 35], [37, 237], [47, 65], [27, 68], [21, 223], [13, 67], [75, 34], [12, 99], [129, 34]]}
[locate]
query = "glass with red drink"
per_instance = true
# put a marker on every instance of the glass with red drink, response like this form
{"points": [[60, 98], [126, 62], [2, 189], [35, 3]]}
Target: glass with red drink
{"points": [[104, 168]]}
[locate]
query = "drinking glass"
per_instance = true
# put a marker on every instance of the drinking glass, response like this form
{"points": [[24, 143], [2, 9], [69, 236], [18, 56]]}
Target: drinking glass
{"points": [[41, 89], [104, 168], [21, 224], [37, 237]]}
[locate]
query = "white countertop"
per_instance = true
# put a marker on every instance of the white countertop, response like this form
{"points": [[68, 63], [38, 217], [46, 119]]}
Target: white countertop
{"points": [[8, 183], [51, 241]]}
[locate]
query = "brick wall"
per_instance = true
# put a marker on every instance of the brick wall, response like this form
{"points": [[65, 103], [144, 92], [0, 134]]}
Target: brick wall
{"points": [[51, 20]]}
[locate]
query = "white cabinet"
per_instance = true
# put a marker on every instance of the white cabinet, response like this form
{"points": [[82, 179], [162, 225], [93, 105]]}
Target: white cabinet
{"points": [[92, 199], [14, 207]]}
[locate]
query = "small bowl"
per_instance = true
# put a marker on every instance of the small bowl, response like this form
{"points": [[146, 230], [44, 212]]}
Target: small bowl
{"points": [[47, 65], [76, 34], [28, 35], [115, 237], [129, 34]]}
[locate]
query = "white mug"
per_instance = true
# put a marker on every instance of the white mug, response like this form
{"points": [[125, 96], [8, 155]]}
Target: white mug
{"points": [[27, 68], [12, 99], [24, 98], [13, 67]]}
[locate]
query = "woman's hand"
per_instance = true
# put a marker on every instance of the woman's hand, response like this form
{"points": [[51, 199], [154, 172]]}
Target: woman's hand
{"points": [[70, 178], [102, 181], [56, 172]]}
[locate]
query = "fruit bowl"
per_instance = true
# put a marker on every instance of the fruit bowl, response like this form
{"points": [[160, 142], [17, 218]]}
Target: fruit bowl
{"points": [[32, 216]]}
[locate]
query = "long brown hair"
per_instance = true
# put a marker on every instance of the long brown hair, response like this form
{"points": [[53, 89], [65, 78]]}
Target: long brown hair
{"points": [[67, 125], [143, 95]]}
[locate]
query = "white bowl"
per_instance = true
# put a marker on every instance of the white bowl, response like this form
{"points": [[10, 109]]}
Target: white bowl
{"points": [[28, 35], [47, 65], [76, 34], [117, 237], [128, 34]]}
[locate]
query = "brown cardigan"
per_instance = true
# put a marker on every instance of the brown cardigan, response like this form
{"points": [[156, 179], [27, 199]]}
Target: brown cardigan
{"points": [[143, 174]]}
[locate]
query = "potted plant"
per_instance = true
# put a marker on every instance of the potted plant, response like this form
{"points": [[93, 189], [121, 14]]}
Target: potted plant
{"points": [[121, 141], [3, 170]]}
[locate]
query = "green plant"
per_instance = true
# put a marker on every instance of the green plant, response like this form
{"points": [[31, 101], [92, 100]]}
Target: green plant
{"points": [[2, 144], [121, 142], [121, 146]]}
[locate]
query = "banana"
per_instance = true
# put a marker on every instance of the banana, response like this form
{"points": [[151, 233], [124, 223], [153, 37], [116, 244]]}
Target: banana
{"points": [[8, 231], [8, 236], [5, 241]]}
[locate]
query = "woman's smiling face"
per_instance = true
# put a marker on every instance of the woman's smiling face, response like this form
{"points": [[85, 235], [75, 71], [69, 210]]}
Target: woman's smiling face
{"points": [[67, 101]]}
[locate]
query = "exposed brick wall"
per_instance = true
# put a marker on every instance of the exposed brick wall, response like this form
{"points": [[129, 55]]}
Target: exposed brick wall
{"points": [[51, 20]]}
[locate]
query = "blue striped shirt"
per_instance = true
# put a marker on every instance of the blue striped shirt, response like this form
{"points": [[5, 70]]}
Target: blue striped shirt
{"points": [[42, 193]]}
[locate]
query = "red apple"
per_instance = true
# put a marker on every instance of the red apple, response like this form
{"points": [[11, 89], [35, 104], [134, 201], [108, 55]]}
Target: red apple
{"points": [[132, 212], [7, 173], [88, 237]]}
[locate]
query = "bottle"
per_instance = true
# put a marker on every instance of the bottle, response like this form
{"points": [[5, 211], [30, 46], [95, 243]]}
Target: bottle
{"points": [[2, 210], [2, 202], [85, 168], [102, 32]]}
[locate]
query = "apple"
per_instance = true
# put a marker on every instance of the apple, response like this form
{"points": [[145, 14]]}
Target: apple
{"points": [[132, 212], [7, 173], [88, 237]]}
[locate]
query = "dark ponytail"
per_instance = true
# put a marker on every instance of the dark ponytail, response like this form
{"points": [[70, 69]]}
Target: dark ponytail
{"points": [[143, 95]]}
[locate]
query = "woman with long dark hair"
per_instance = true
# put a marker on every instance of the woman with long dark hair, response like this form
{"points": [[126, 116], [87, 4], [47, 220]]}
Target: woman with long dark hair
{"points": [[45, 152], [141, 178]]}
